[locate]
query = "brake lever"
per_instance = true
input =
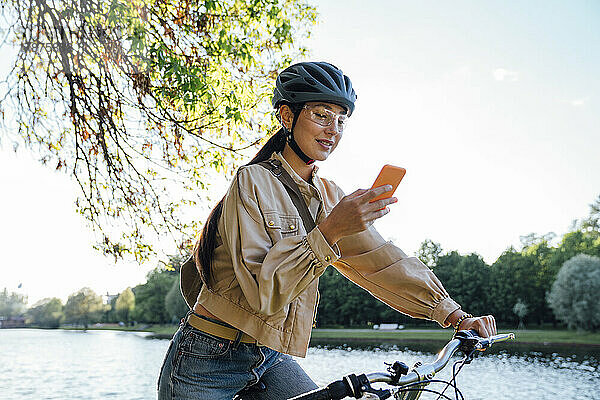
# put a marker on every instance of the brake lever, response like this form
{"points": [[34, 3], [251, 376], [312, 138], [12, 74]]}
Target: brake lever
{"points": [[360, 385], [471, 341]]}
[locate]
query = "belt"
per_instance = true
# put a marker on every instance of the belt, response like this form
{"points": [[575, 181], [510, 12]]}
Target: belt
{"points": [[224, 332]]}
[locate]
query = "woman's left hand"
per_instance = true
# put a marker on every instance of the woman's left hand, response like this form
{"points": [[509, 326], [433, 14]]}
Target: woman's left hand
{"points": [[485, 326]]}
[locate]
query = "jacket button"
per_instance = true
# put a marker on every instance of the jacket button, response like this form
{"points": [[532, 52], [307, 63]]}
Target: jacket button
{"points": [[292, 226], [271, 223], [327, 258]]}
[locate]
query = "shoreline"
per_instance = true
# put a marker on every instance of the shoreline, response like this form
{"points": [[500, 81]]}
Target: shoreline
{"points": [[544, 338]]}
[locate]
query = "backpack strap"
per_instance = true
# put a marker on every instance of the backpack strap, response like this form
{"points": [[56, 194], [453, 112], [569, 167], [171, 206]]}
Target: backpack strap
{"points": [[293, 191]]}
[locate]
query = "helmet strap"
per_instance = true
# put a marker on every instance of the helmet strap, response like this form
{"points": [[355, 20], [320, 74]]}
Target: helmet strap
{"points": [[292, 142]]}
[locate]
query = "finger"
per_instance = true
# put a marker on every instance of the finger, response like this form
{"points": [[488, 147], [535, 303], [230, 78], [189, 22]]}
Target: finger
{"points": [[480, 328], [379, 204], [372, 193], [358, 192], [374, 215], [493, 324], [486, 327]]}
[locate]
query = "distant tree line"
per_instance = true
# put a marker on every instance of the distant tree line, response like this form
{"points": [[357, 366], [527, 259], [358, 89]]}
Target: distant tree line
{"points": [[158, 301], [539, 284], [520, 287]]}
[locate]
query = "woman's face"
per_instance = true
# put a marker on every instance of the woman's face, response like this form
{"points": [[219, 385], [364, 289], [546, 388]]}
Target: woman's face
{"points": [[315, 140]]}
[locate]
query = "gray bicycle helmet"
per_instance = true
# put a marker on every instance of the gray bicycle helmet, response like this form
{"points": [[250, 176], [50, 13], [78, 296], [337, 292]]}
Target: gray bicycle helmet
{"points": [[314, 81]]}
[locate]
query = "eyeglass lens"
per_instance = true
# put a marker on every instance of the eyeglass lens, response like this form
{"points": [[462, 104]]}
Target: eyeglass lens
{"points": [[325, 117]]}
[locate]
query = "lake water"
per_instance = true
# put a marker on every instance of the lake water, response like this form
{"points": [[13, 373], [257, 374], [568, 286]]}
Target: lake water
{"points": [[59, 364]]}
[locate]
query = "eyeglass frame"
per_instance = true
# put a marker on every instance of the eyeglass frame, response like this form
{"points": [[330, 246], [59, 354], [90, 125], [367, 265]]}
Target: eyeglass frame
{"points": [[332, 115]]}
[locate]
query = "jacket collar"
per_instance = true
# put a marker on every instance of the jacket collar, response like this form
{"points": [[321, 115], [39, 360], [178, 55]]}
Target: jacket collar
{"points": [[305, 188]]}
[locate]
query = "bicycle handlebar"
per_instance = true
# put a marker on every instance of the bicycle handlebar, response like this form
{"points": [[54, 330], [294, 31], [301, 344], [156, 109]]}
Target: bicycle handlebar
{"points": [[427, 371], [350, 386]]}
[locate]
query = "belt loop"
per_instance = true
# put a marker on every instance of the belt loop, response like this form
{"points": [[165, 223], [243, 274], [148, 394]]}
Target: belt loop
{"points": [[238, 338], [187, 316]]}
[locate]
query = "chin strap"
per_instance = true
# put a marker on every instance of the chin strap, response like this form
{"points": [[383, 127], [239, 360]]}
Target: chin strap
{"points": [[292, 142]]}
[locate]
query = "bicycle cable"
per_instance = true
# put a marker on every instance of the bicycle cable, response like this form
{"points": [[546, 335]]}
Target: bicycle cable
{"points": [[415, 387]]}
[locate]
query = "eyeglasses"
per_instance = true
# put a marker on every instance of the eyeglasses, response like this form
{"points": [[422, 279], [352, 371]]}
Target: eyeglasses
{"points": [[325, 117]]}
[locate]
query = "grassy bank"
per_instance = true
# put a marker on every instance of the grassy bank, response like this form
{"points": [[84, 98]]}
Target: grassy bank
{"points": [[337, 335], [522, 336], [538, 336]]}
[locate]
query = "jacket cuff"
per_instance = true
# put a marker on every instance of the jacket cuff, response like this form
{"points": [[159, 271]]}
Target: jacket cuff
{"points": [[325, 254], [444, 308]]}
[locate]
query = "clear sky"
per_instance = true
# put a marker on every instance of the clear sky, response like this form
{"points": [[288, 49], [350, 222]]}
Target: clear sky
{"points": [[492, 107]]}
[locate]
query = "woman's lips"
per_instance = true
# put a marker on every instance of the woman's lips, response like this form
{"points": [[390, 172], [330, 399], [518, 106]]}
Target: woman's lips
{"points": [[325, 143]]}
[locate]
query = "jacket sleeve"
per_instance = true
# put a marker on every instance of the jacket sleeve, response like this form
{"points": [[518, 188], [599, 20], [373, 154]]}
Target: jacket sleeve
{"points": [[271, 275], [402, 282]]}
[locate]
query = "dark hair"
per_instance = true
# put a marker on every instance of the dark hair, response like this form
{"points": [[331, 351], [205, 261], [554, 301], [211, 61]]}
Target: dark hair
{"points": [[207, 242]]}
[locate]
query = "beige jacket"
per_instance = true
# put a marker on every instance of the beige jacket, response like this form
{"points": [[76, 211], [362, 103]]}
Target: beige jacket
{"points": [[266, 266]]}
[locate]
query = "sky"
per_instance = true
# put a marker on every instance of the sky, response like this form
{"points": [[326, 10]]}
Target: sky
{"points": [[492, 107]]}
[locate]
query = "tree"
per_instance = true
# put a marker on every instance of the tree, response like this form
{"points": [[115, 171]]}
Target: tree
{"points": [[125, 304], [83, 307], [175, 305], [592, 222], [429, 252], [467, 280], [150, 297], [12, 304], [520, 309], [47, 313], [513, 278], [140, 100], [576, 242], [575, 295]]}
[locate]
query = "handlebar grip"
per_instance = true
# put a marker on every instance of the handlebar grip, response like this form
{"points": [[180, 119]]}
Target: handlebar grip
{"points": [[334, 391]]}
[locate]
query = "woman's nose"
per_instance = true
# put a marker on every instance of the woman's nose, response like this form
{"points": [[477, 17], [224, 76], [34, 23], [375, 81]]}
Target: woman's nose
{"points": [[333, 128]]}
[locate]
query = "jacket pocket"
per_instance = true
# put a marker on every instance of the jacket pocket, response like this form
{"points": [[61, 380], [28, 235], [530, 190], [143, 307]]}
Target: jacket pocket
{"points": [[279, 226]]}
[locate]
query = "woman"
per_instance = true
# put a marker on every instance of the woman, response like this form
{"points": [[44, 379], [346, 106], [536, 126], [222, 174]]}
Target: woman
{"points": [[260, 266]]}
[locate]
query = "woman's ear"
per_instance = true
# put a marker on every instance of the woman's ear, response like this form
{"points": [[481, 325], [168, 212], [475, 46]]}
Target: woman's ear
{"points": [[287, 116]]}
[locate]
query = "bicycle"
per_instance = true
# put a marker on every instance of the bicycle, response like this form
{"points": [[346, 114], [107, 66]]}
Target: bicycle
{"points": [[410, 383]]}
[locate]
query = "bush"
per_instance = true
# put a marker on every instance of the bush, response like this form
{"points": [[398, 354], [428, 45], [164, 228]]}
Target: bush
{"points": [[575, 294]]}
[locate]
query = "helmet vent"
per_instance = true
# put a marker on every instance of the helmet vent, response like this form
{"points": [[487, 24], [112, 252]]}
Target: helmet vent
{"points": [[335, 77], [301, 88], [285, 79], [314, 72], [310, 81]]}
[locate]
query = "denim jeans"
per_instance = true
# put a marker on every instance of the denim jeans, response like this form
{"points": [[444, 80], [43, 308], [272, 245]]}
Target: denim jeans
{"points": [[201, 366]]}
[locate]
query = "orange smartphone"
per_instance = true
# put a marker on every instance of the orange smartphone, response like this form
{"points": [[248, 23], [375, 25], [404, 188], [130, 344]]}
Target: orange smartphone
{"points": [[389, 175]]}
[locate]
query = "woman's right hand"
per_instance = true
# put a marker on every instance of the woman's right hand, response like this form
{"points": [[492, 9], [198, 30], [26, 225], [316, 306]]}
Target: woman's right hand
{"points": [[354, 213]]}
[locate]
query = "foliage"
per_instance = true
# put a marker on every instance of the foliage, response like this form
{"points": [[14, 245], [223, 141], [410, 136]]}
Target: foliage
{"points": [[429, 252], [47, 313], [466, 279], [111, 315], [84, 307], [575, 295], [140, 100], [513, 277], [520, 309], [592, 222], [12, 304], [125, 304], [175, 305], [150, 297], [344, 303]]}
